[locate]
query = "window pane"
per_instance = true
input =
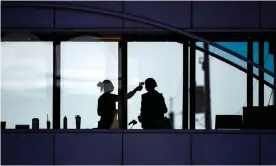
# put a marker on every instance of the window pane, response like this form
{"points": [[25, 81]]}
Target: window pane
{"points": [[269, 65], [83, 65], [162, 61], [238, 47], [26, 86], [200, 117], [228, 89]]}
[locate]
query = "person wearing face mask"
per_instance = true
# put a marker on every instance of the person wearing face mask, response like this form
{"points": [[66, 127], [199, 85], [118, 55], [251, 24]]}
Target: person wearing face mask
{"points": [[107, 103]]}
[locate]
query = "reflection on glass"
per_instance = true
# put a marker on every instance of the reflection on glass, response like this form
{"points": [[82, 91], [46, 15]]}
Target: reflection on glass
{"points": [[269, 65], [201, 107], [238, 47], [162, 61], [228, 89], [268, 94], [83, 65], [228, 84], [26, 82]]}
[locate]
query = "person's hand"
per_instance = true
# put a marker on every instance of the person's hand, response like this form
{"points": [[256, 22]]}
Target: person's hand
{"points": [[140, 87]]}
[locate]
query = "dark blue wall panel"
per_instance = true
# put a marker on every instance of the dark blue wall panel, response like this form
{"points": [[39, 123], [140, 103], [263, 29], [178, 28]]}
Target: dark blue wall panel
{"points": [[8, 149], [79, 19], [34, 149], [268, 149], [176, 14], [139, 149], [225, 149], [27, 18], [156, 149], [196, 14], [88, 149], [268, 14], [226, 14]]}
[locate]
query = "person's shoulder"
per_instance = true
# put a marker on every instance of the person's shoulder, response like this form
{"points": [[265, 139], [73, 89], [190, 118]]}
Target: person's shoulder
{"points": [[157, 93], [101, 97], [145, 94], [113, 96]]}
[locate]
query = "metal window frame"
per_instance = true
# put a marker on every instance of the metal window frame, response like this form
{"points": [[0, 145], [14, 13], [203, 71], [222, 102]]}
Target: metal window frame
{"points": [[192, 84], [208, 114], [249, 76], [261, 74], [56, 76], [122, 104], [185, 98], [56, 117]]}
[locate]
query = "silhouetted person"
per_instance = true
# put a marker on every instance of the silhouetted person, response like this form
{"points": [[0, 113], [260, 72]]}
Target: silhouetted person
{"points": [[153, 107], [107, 103]]}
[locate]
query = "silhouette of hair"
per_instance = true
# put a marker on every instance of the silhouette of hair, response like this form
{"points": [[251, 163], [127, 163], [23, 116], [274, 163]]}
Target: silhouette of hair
{"points": [[150, 83], [106, 85]]}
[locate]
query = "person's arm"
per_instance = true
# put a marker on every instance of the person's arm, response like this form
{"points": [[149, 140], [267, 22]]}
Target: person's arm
{"points": [[141, 110], [163, 104], [131, 93], [142, 104], [165, 109], [99, 109]]}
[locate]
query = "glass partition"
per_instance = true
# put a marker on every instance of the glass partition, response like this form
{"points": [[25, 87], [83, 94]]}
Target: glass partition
{"points": [[26, 83], [83, 65], [227, 83], [269, 65], [162, 61]]}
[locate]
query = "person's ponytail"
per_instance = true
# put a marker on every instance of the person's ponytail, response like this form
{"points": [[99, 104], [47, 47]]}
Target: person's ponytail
{"points": [[101, 85]]}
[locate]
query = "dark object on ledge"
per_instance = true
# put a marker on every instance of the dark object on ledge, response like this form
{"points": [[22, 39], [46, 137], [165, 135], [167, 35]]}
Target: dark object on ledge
{"points": [[35, 123], [48, 123], [22, 127], [3, 125], [228, 121], [259, 117], [78, 121], [65, 122]]}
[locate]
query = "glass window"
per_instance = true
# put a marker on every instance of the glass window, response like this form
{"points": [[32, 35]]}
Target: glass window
{"points": [[227, 94], [200, 117], [238, 47], [228, 89], [162, 61], [269, 65], [26, 82], [83, 65]]}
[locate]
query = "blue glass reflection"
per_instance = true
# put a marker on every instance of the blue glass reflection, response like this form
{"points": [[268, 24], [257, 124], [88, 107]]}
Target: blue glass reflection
{"points": [[241, 48]]}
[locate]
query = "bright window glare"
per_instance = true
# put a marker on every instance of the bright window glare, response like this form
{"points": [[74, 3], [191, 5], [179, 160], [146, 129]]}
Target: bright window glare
{"points": [[83, 65], [162, 61], [26, 82]]}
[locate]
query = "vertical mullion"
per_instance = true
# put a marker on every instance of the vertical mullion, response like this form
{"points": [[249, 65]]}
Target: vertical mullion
{"points": [[192, 84], [250, 74], [185, 99], [56, 85], [122, 84], [208, 119], [261, 74]]}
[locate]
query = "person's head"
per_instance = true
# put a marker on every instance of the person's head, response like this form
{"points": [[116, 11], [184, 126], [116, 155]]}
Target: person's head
{"points": [[150, 84], [106, 86]]}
